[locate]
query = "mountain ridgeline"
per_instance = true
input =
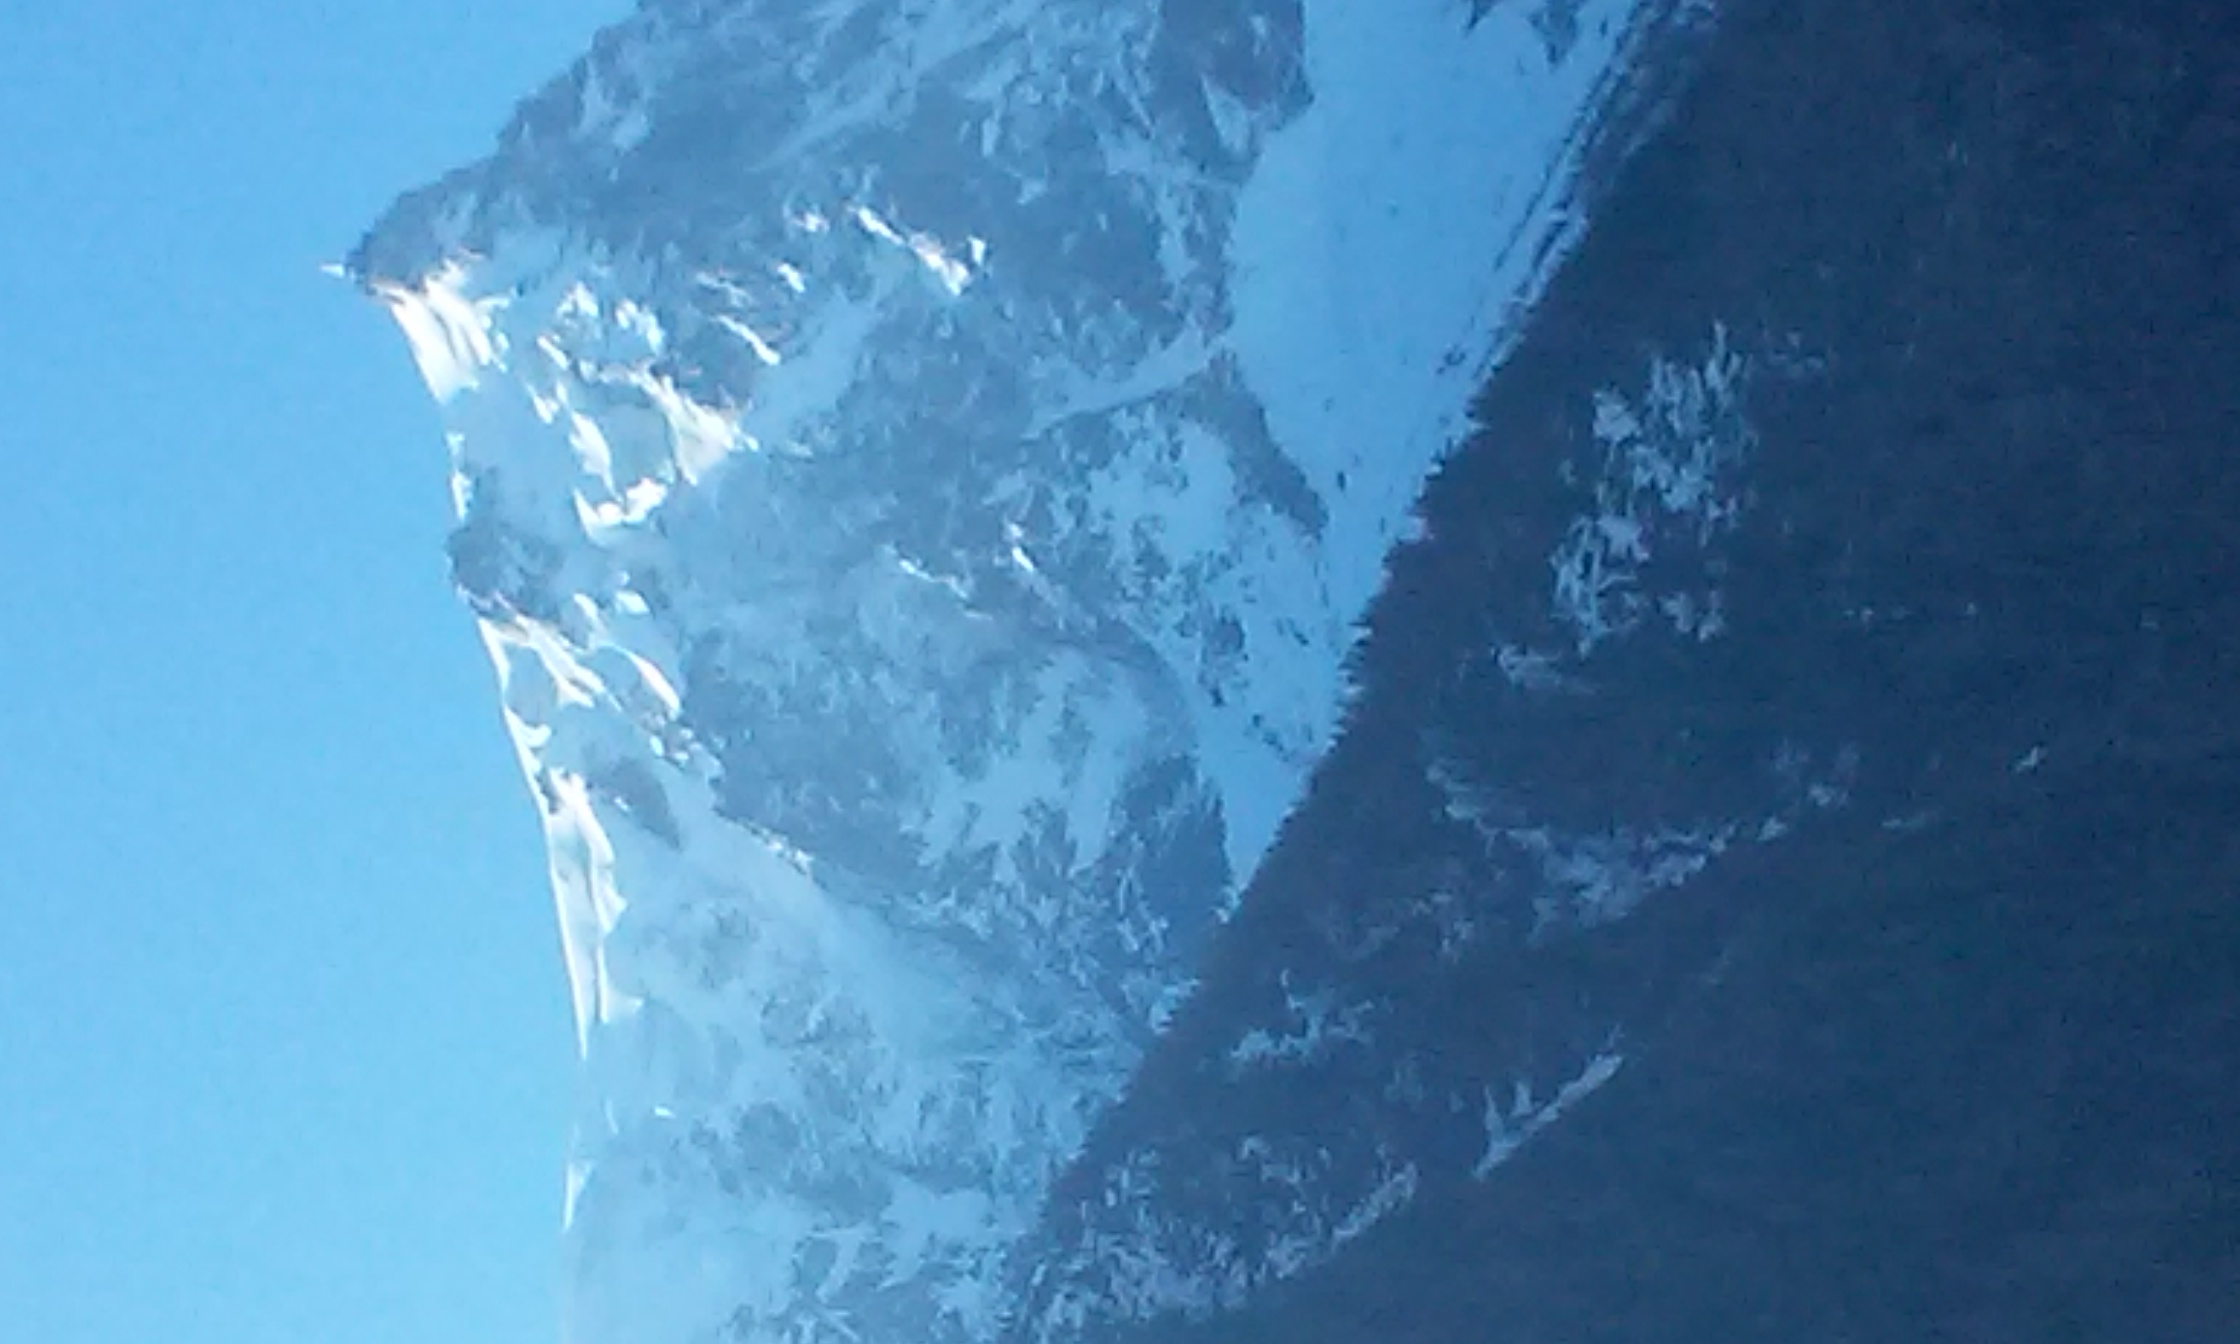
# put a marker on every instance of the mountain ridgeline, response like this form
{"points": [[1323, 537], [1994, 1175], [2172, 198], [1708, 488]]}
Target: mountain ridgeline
{"points": [[1536, 670]]}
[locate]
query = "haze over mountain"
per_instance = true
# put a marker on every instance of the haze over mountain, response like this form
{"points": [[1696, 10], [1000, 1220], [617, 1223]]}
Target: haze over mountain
{"points": [[924, 474]]}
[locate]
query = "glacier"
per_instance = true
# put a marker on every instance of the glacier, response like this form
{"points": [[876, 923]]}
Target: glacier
{"points": [[920, 468]]}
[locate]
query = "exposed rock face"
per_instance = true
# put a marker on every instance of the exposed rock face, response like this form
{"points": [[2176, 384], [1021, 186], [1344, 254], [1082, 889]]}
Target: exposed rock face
{"points": [[920, 468]]}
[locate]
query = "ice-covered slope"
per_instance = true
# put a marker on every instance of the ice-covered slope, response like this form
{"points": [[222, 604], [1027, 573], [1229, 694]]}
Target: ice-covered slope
{"points": [[920, 464]]}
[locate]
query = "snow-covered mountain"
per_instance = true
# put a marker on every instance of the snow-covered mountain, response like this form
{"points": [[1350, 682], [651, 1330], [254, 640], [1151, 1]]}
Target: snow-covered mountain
{"points": [[920, 467]]}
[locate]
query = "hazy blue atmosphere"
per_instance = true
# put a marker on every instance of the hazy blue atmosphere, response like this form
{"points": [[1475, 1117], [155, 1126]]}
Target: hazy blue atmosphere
{"points": [[282, 1029]]}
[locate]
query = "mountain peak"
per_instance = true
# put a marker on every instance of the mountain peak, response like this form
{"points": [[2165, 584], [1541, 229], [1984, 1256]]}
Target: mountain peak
{"points": [[920, 468]]}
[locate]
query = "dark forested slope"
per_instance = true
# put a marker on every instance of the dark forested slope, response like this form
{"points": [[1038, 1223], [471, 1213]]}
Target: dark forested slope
{"points": [[1941, 1036]]}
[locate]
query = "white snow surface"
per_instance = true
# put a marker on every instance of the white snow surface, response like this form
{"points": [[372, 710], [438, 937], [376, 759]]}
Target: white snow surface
{"points": [[921, 466], [1669, 482], [1509, 1127]]}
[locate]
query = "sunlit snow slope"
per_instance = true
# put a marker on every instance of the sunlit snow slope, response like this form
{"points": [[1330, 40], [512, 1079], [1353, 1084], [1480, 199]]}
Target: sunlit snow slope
{"points": [[919, 466]]}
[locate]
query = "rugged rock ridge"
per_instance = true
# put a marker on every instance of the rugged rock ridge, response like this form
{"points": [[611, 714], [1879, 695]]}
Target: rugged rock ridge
{"points": [[920, 466]]}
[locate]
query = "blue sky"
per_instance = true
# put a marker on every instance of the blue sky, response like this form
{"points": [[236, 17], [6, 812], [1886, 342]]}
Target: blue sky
{"points": [[284, 1053]]}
